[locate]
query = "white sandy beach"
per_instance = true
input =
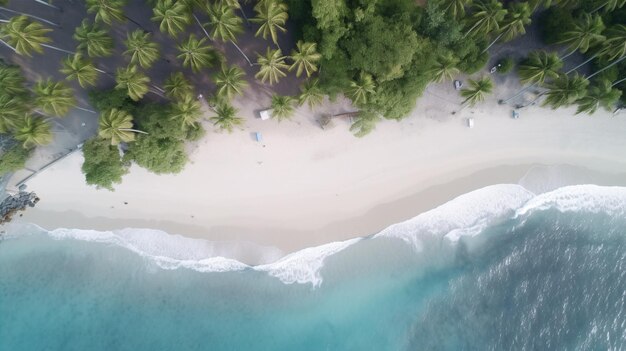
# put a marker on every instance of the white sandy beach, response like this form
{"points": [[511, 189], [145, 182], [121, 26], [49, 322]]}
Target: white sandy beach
{"points": [[304, 186]]}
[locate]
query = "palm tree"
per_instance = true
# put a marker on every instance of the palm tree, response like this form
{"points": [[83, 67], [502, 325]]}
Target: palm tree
{"points": [[11, 110], [539, 67], [177, 87], [282, 107], [13, 82], [444, 68], [609, 5], [514, 23], [54, 98], [225, 25], [25, 36], [78, 68], [613, 49], [94, 39], [565, 90], [456, 7], [187, 111], [599, 95], [488, 15], [305, 58], [272, 66], [133, 81], [141, 49], [272, 16], [107, 11], [226, 118], [230, 81], [615, 44], [478, 91], [172, 15], [586, 33], [359, 90], [32, 131], [116, 125], [196, 54], [364, 123], [310, 94]]}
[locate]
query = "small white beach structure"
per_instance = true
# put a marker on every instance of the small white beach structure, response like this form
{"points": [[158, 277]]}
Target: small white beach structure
{"points": [[265, 114], [470, 122]]}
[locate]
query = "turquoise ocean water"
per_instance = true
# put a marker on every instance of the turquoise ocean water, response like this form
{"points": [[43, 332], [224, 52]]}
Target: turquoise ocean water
{"points": [[496, 269]]}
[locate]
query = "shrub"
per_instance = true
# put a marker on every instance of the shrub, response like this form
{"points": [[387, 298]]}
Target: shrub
{"points": [[14, 159], [505, 65], [103, 165]]}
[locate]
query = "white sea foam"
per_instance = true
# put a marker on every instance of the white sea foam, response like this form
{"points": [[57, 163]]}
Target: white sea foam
{"points": [[467, 214], [304, 266], [576, 198]]}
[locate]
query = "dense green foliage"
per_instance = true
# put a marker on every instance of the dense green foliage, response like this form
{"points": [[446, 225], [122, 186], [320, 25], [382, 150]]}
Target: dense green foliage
{"points": [[103, 166], [13, 159]]}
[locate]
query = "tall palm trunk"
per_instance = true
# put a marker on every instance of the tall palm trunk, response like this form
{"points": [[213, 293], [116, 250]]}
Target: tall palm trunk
{"points": [[607, 67], [58, 49], [42, 2], [570, 53], [617, 82], [201, 26], [133, 130], [493, 42], [31, 16], [582, 64], [518, 93], [8, 45], [241, 51]]}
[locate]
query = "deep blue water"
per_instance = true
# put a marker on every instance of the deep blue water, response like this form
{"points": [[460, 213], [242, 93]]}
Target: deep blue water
{"points": [[548, 279]]}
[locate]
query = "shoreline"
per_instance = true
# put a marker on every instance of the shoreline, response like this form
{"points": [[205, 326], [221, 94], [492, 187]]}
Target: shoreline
{"points": [[304, 186]]}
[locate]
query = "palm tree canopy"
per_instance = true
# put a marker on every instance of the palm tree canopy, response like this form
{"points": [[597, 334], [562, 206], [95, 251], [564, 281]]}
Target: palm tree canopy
{"points": [[177, 87], [107, 11], [305, 58], [230, 81], [173, 16], [456, 7], [272, 66], [12, 109], [599, 95], [516, 20], [54, 98], [477, 91], [141, 49], [565, 90], [93, 38], [13, 82], [78, 68], [223, 22], [196, 54], [282, 107], [487, 17], [226, 118], [610, 5], [133, 81], [116, 125], [615, 44], [444, 68], [32, 131], [272, 16], [310, 94], [187, 111], [24, 35], [539, 67], [359, 90], [586, 33]]}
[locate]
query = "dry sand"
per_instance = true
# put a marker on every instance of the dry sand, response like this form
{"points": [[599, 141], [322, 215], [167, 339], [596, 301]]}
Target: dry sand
{"points": [[304, 186]]}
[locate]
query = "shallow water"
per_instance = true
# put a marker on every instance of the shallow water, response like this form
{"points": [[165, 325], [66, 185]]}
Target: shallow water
{"points": [[496, 269]]}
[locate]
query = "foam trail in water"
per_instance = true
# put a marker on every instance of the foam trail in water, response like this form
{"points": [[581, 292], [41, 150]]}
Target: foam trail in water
{"points": [[467, 214], [587, 198]]}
